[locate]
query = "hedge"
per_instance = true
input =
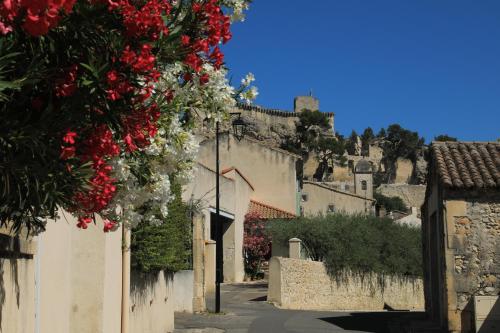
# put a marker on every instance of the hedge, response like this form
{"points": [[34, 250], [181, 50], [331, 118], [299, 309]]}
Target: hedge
{"points": [[360, 244]]}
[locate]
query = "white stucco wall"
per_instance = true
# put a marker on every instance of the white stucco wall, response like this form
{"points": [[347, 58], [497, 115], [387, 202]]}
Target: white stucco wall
{"points": [[235, 193], [17, 285], [80, 278], [151, 303], [183, 291], [272, 172]]}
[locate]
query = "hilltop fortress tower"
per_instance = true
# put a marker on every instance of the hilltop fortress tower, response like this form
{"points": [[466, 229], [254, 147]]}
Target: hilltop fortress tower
{"points": [[267, 121]]}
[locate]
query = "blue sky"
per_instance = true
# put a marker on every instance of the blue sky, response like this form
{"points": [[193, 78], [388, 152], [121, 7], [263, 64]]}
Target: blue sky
{"points": [[432, 66]]}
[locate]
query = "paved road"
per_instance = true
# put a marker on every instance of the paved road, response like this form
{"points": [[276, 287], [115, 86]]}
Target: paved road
{"points": [[246, 311]]}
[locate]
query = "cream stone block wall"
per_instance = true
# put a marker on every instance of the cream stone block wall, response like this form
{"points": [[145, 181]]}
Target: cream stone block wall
{"points": [[151, 303], [305, 285]]}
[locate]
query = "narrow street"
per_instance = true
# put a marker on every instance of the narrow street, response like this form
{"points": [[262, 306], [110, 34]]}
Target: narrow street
{"points": [[245, 310]]}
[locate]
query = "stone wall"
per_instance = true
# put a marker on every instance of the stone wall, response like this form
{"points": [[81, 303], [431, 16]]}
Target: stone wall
{"points": [[412, 195], [320, 196], [305, 285], [151, 302], [473, 238], [69, 280], [404, 171]]}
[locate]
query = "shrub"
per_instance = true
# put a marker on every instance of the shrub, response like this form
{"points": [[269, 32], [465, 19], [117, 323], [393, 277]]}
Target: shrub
{"points": [[390, 203], [256, 244], [167, 246], [361, 244]]}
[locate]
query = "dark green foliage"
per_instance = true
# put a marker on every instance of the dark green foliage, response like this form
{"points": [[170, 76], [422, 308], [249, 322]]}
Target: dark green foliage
{"points": [[366, 138], [361, 244], [401, 143], [381, 134], [444, 138], [310, 118], [313, 134], [168, 246], [390, 203], [351, 143]]}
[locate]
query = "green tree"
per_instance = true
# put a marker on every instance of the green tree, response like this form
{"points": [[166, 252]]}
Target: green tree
{"points": [[401, 143], [330, 150], [381, 134], [313, 135], [444, 138], [351, 143], [366, 139]]}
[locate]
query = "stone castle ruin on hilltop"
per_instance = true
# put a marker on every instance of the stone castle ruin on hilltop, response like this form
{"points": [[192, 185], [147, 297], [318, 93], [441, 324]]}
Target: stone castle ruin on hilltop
{"points": [[272, 127]]}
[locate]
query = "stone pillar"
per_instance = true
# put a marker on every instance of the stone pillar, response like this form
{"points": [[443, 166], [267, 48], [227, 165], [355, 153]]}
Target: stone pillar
{"points": [[294, 248], [198, 264], [210, 275]]}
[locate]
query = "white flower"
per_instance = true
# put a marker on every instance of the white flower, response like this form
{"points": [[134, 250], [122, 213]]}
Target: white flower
{"points": [[248, 80], [250, 95]]}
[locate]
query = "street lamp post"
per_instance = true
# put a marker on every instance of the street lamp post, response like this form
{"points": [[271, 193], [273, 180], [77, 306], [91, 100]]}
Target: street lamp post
{"points": [[238, 132]]}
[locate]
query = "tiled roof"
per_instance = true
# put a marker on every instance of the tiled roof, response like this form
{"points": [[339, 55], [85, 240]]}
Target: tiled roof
{"points": [[268, 212], [467, 165]]}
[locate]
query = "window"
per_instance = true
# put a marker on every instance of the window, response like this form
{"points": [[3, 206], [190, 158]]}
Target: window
{"points": [[364, 186], [305, 197], [330, 209]]}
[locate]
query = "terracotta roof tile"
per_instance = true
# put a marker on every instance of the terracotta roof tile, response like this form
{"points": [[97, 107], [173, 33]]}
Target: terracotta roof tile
{"points": [[468, 165], [268, 212]]}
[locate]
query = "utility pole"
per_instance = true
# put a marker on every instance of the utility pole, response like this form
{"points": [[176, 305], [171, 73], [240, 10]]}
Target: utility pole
{"points": [[218, 226]]}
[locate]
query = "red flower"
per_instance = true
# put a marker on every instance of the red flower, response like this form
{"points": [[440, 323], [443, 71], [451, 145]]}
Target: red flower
{"points": [[185, 40], [112, 77], [69, 137], [204, 79], [193, 61], [108, 225], [83, 222]]}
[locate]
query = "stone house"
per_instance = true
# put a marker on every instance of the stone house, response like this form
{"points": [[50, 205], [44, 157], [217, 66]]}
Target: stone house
{"points": [[253, 178], [461, 237], [323, 198]]}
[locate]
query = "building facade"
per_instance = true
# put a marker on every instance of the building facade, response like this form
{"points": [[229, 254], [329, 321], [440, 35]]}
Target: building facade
{"points": [[253, 178], [461, 237]]}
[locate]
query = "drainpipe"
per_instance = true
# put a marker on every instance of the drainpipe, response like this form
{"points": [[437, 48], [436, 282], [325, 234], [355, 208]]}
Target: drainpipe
{"points": [[125, 279], [37, 256]]}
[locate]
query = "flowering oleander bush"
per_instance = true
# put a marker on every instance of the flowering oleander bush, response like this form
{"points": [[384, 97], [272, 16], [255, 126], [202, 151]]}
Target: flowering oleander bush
{"points": [[96, 98], [256, 244]]}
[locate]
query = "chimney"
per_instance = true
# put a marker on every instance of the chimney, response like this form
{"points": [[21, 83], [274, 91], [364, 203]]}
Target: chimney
{"points": [[305, 102]]}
